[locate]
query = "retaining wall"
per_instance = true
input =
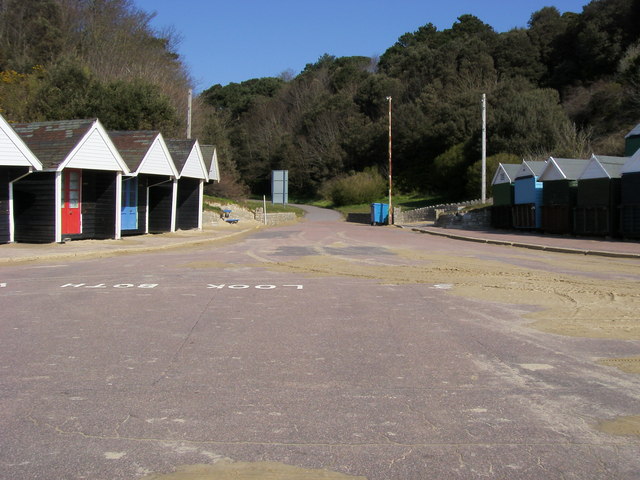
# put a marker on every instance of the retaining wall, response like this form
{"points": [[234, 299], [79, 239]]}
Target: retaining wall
{"points": [[275, 218]]}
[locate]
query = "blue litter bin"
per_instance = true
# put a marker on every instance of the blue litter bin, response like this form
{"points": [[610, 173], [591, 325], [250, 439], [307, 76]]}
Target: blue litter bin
{"points": [[379, 213]]}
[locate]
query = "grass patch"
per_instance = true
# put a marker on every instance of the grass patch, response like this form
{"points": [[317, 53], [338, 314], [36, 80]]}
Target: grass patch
{"points": [[249, 204], [402, 200]]}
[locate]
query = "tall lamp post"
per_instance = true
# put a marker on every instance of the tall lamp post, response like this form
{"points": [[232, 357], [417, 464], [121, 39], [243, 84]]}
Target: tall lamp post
{"points": [[390, 165]]}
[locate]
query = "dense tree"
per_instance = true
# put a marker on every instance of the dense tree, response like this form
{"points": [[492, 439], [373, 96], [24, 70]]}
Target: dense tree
{"points": [[72, 52], [566, 84], [31, 33]]}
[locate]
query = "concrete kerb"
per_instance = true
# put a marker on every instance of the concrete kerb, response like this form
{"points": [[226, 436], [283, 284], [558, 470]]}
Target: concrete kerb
{"points": [[102, 251], [530, 246]]}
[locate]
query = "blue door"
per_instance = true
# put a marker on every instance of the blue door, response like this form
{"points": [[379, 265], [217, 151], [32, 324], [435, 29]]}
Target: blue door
{"points": [[130, 204]]}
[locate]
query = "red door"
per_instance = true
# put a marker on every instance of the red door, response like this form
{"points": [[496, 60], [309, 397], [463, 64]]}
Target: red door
{"points": [[71, 218]]}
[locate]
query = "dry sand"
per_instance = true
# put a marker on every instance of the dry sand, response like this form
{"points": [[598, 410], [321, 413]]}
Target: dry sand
{"points": [[225, 470], [574, 304]]}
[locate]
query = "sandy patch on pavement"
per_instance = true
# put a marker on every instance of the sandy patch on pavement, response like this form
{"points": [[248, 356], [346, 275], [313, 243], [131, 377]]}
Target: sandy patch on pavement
{"points": [[628, 364], [248, 471], [570, 304], [621, 426]]}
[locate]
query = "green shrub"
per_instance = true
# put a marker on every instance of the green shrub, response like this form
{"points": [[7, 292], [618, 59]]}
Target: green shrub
{"points": [[354, 189]]}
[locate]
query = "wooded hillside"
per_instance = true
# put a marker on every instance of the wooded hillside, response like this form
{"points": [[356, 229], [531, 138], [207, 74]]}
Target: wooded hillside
{"points": [[65, 59], [567, 85]]}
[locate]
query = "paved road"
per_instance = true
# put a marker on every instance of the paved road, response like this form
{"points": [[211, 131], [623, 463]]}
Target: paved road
{"points": [[302, 345]]}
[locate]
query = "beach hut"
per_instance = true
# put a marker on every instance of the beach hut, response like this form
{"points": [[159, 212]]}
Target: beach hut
{"points": [[598, 196], [560, 187], [77, 193], [632, 141], [189, 161], [16, 162], [210, 156], [502, 190], [149, 193], [527, 196], [630, 197]]}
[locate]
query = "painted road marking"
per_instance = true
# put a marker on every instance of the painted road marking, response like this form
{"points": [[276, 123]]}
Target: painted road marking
{"points": [[232, 286]]}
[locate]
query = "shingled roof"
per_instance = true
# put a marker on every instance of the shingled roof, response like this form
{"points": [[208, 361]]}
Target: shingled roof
{"points": [[72, 144], [187, 158], [133, 145], [53, 141], [180, 151]]}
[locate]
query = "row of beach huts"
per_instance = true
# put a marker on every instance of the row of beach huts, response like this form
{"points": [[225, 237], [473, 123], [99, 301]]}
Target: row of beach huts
{"points": [[598, 196], [72, 179]]}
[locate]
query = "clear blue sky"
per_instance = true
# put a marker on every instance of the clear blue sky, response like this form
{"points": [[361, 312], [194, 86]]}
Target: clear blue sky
{"points": [[227, 41]]}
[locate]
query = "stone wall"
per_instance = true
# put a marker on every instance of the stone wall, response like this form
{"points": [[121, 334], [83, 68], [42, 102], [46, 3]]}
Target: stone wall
{"points": [[275, 218], [477, 219], [431, 213]]}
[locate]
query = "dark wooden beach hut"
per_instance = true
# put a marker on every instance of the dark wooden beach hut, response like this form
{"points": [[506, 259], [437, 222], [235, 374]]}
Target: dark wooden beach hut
{"points": [[527, 196], [77, 193], [630, 197], [189, 161], [560, 188], [502, 190], [16, 162], [598, 197], [149, 193], [632, 141]]}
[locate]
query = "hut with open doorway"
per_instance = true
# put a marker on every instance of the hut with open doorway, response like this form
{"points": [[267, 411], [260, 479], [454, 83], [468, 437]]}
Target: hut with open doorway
{"points": [[16, 162], [527, 196], [77, 193], [560, 188], [630, 197], [149, 193], [189, 161], [502, 191], [598, 197]]}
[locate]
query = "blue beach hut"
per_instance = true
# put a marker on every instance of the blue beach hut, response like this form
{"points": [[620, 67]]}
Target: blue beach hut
{"points": [[527, 196]]}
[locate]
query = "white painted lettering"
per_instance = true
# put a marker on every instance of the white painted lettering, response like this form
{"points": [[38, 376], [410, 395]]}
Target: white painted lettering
{"points": [[216, 286], [100, 285], [3, 285], [74, 285], [298, 287], [238, 286], [124, 285], [148, 285], [265, 287]]}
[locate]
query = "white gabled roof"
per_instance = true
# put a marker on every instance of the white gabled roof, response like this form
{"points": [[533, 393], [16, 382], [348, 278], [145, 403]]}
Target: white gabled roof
{"points": [[632, 165], [505, 173], [158, 160], [634, 132], [188, 158], [83, 144], [13, 151], [562, 169], [530, 169], [601, 166], [210, 154], [95, 151]]}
